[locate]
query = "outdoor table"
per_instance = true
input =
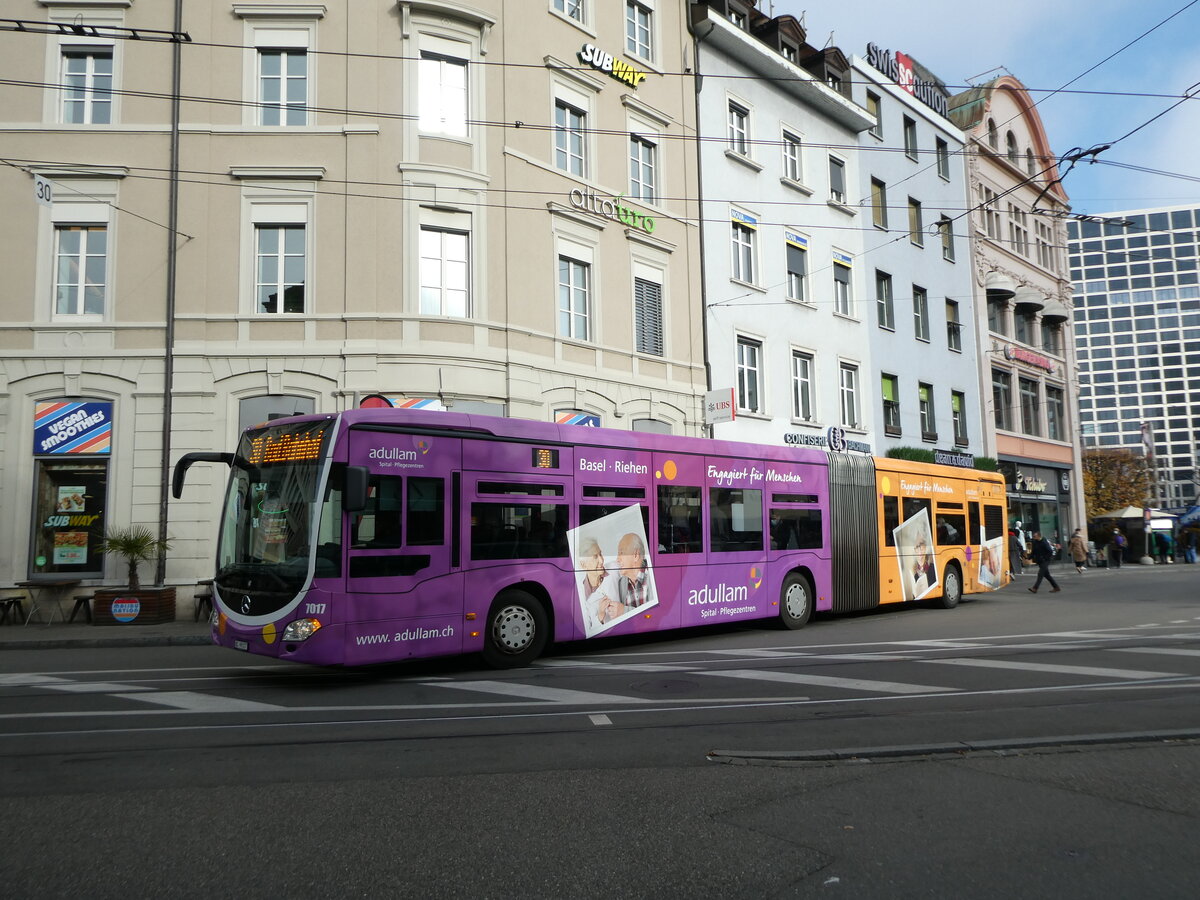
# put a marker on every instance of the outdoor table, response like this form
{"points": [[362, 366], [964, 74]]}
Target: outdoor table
{"points": [[45, 592]]}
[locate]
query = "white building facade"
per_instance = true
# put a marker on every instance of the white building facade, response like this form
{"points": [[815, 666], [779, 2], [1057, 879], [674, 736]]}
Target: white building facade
{"points": [[916, 264]]}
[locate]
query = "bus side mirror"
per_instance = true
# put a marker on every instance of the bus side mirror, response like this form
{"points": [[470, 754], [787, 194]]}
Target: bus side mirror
{"points": [[185, 463], [354, 497]]}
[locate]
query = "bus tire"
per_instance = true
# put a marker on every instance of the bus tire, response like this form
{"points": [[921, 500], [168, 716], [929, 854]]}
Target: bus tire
{"points": [[517, 630], [795, 601], [951, 588]]}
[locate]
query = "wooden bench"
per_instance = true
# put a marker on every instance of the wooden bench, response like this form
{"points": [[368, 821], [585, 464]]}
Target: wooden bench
{"points": [[15, 604], [84, 602]]}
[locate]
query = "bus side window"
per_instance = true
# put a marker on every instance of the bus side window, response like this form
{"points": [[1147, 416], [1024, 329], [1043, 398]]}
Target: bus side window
{"points": [[993, 521], [378, 526], [975, 527], [426, 512], [795, 529], [951, 529], [736, 519], [891, 520], [679, 522], [329, 529], [914, 505]]}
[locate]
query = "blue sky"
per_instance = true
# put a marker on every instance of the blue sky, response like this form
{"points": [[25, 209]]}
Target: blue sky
{"points": [[1046, 45]]}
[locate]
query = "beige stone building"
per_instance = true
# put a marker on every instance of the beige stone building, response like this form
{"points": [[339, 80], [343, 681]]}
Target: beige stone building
{"points": [[488, 206], [1018, 238]]}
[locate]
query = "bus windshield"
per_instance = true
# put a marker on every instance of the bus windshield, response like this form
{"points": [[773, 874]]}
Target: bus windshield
{"points": [[266, 531]]}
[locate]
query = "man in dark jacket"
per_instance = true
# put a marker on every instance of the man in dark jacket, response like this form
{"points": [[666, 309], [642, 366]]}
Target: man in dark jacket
{"points": [[1041, 552]]}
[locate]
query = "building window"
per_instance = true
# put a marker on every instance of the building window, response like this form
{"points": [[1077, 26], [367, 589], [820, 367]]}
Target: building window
{"points": [[574, 289], [993, 138], [943, 158], [638, 33], [997, 316], [1030, 414], [642, 174], [910, 138], [890, 389], [572, 9], [953, 326], [742, 246], [87, 75], [1018, 230], [792, 169], [569, 139], [1052, 338], [920, 298], [958, 410], [647, 310], [1030, 166], [1045, 246], [1002, 399], [916, 230], [883, 300], [80, 269], [797, 271], [281, 262], [283, 86], [749, 375], [928, 420], [802, 386], [739, 129], [1055, 414], [843, 300], [837, 180], [445, 268], [946, 231], [442, 102], [991, 213], [874, 109], [878, 204], [1010, 146], [848, 392], [1026, 328]]}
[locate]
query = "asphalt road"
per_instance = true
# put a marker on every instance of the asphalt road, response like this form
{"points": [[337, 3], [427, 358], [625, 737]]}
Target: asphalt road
{"points": [[1035, 745]]}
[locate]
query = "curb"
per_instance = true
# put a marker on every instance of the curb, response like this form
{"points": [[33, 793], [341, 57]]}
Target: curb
{"points": [[161, 640], [912, 751]]}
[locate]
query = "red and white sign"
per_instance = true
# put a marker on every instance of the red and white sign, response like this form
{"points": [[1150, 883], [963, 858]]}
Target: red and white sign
{"points": [[719, 406]]}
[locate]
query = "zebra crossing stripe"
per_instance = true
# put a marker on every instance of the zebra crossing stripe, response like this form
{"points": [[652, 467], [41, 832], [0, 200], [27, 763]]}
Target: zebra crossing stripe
{"points": [[1131, 674], [536, 692], [850, 684]]}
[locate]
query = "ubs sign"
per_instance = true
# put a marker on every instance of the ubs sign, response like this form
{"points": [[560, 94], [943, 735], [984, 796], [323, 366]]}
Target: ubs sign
{"points": [[902, 69]]}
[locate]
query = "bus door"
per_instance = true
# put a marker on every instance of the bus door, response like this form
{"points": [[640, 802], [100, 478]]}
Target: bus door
{"points": [[680, 564], [736, 538], [402, 579]]}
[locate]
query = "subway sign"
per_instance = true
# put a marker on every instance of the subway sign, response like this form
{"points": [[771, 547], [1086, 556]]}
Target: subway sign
{"points": [[902, 69], [605, 62]]}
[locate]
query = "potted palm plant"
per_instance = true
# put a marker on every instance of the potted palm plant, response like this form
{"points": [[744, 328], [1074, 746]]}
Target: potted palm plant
{"points": [[134, 604]]}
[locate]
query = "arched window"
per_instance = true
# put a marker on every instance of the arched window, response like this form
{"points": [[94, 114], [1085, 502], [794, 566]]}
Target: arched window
{"points": [[1030, 164], [1010, 141], [993, 140]]}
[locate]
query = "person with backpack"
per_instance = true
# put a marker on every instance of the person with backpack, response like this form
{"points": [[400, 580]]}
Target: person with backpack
{"points": [[1041, 552]]}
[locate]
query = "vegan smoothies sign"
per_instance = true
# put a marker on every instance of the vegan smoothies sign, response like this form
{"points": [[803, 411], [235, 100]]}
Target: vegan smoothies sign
{"points": [[72, 439]]}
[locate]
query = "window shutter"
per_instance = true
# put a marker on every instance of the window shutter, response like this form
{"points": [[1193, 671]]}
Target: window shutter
{"points": [[647, 304]]}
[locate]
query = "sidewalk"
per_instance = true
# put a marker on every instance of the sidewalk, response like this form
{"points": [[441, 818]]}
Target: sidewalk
{"points": [[56, 636]]}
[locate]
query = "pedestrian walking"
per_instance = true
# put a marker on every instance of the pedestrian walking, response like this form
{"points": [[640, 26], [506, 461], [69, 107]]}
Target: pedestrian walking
{"points": [[1015, 553], [1077, 547], [1163, 545], [1116, 549], [1041, 553]]}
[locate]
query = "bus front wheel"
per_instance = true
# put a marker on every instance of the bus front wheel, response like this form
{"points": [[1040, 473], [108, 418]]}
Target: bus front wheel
{"points": [[951, 588], [795, 601], [517, 630]]}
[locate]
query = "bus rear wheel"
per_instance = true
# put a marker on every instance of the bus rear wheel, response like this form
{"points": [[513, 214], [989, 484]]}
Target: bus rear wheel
{"points": [[517, 630], [795, 601], [951, 588]]}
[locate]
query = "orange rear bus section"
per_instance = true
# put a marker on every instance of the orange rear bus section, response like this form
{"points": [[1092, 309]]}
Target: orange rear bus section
{"points": [[939, 526]]}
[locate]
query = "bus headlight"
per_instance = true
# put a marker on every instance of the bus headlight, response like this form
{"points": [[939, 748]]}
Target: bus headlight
{"points": [[301, 629]]}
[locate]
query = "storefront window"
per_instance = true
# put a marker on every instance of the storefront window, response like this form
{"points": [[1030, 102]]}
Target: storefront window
{"points": [[69, 528]]}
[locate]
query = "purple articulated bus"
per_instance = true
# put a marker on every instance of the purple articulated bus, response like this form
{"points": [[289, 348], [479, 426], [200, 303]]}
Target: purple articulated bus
{"points": [[377, 535]]}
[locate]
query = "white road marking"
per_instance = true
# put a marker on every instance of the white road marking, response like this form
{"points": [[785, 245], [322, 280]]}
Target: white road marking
{"points": [[192, 702], [1131, 674], [96, 687], [600, 719], [536, 692], [852, 684], [1166, 651], [763, 654]]}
